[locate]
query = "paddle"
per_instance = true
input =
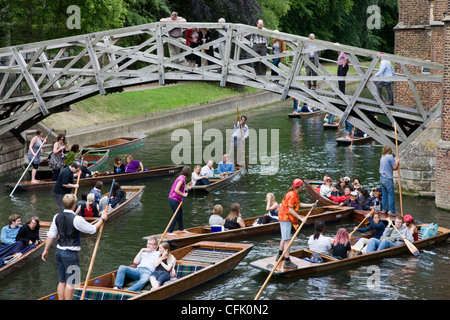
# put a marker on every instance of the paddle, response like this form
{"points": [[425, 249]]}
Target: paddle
{"points": [[243, 141], [399, 178], [412, 248], [285, 250], [94, 253], [351, 233], [40, 147], [170, 222], [78, 179]]}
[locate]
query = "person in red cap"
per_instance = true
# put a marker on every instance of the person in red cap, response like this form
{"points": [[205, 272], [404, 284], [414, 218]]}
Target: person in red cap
{"points": [[288, 216], [411, 226]]}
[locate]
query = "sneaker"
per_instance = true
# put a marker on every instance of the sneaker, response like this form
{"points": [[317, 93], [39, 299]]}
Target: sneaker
{"points": [[278, 257], [383, 211], [391, 214], [288, 264]]}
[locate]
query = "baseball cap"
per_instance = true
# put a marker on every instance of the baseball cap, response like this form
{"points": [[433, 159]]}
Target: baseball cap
{"points": [[408, 218], [297, 183]]}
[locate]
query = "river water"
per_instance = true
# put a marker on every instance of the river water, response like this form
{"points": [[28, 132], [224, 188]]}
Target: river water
{"points": [[306, 151]]}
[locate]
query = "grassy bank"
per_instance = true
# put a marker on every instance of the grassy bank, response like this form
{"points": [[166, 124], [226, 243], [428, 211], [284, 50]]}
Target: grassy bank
{"points": [[135, 102]]}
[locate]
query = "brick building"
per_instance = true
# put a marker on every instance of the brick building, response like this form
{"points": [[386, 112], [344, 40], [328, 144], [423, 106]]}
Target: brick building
{"points": [[423, 32]]}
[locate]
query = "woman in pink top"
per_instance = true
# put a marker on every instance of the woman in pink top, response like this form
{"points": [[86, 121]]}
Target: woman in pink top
{"points": [[177, 193]]}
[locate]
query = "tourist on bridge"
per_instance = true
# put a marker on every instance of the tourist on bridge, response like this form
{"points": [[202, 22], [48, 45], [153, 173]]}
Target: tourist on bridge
{"points": [[385, 70], [313, 56], [174, 33], [259, 44]]}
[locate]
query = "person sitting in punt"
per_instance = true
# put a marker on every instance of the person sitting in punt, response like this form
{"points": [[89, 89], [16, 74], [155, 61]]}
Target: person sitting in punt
{"points": [[305, 108], [353, 201], [29, 233], [85, 172], [390, 237], [9, 245], [318, 242], [272, 207], [374, 201], [411, 226], [208, 170], [118, 166], [225, 166], [197, 178], [376, 228], [215, 219], [132, 165], [341, 246], [327, 187], [118, 196], [341, 200], [339, 187], [90, 208], [164, 266], [145, 261], [234, 219], [70, 158]]}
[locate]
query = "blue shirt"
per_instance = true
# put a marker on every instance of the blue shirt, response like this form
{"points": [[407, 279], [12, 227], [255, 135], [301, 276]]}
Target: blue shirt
{"points": [[387, 163], [385, 70], [9, 234], [225, 167]]}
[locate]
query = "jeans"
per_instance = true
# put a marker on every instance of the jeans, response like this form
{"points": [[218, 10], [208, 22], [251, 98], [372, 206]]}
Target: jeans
{"points": [[377, 245], [348, 128], [178, 218], [140, 274], [275, 62], [387, 194], [387, 85], [295, 105]]}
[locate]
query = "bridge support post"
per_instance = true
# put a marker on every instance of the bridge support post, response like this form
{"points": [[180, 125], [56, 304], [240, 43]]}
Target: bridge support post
{"points": [[443, 146]]}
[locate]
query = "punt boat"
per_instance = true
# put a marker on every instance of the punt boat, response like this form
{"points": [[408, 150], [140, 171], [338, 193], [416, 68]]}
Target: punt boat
{"points": [[196, 264], [305, 114], [105, 177], [117, 144], [356, 140], [330, 263], [216, 183], [203, 233]]}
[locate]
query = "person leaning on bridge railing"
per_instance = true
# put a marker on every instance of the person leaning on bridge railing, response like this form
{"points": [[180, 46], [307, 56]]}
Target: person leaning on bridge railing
{"points": [[313, 56], [385, 70], [174, 33], [259, 44]]}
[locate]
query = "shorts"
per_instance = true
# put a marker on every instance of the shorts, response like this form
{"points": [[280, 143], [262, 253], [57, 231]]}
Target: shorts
{"points": [[68, 265], [285, 228]]}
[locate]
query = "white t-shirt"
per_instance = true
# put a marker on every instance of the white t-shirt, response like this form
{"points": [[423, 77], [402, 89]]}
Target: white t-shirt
{"points": [[321, 244], [206, 171]]}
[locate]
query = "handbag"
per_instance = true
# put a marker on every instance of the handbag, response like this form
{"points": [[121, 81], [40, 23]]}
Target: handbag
{"points": [[429, 230]]}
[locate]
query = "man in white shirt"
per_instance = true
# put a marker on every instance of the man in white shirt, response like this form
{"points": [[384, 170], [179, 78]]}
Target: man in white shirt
{"points": [[385, 70], [68, 226], [208, 170], [236, 139]]}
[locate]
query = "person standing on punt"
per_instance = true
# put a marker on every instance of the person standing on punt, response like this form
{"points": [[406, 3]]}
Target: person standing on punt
{"points": [[288, 216], [387, 166], [68, 226], [34, 151], [177, 193]]}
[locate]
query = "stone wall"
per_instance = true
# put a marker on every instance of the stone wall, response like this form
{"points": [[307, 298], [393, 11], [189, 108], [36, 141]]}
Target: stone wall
{"points": [[12, 154]]}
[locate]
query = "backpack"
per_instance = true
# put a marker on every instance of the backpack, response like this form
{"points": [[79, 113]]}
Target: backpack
{"points": [[429, 230]]}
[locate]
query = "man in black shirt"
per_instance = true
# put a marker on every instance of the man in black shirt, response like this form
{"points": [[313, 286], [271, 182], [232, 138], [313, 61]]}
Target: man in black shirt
{"points": [[65, 183]]}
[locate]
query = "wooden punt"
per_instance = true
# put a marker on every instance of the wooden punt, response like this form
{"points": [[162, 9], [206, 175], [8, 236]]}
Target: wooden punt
{"points": [[331, 263], [203, 233], [196, 264], [95, 159], [105, 177], [216, 183], [356, 140], [310, 186], [29, 255], [118, 143], [331, 125], [305, 114], [134, 195]]}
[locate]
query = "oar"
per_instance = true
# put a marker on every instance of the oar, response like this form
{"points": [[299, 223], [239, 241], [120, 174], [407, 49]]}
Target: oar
{"points": [[243, 139], [351, 233], [399, 178], [91, 265], [78, 179], [285, 250], [170, 222], [408, 243], [40, 147]]}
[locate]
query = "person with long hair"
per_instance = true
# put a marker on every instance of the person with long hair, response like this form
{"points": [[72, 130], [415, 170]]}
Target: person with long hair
{"points": [[118, 166], [234, 218], [33, 149], [164, 266], [376, 228], [29, 233], [318, 242], [56, 162], [387, 165], [288, 216], [118, 196], [341, 244], [272, 208], [178, 192]]}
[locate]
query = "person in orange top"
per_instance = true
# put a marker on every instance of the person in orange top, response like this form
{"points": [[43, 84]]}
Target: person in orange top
{"points": [[288, 216]]}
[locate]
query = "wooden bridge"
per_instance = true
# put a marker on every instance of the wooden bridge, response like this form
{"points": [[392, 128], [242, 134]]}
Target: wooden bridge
{"points": [[42, 78]]}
